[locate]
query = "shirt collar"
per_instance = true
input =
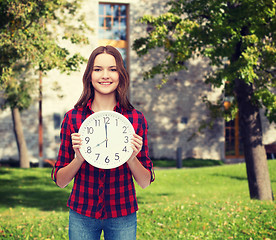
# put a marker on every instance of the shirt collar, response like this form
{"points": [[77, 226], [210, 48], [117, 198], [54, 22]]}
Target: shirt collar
{"points": [[88, 105], [118, 108]]}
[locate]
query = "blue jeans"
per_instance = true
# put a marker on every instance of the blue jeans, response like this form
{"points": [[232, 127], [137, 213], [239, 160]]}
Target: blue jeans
{"points": [[83, 228]]}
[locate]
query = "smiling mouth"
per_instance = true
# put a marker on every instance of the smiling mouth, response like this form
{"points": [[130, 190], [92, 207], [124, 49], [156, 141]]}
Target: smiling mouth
{"points": [[105, 83]]}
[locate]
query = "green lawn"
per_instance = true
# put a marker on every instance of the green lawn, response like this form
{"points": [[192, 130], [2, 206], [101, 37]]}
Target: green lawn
{"points": [[187, 203], [189, 162]]}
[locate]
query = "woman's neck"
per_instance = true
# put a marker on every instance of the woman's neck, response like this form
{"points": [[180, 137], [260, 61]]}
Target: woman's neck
{"points": [[103, 103]]}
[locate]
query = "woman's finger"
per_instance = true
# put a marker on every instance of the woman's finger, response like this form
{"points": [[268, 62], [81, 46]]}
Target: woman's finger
{"points": [[137, 138], [76, 137], [76, 141], [137, 143]]}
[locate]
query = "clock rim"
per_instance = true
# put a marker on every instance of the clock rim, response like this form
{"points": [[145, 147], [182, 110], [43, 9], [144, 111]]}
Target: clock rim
{"points": [[106, 167]]}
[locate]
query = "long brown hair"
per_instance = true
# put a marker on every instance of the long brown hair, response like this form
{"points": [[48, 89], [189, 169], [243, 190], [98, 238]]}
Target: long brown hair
{"points": [[121, 91]]}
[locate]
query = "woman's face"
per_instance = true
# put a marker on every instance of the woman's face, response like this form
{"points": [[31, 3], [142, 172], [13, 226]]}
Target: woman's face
{"points": [[105, 77]]}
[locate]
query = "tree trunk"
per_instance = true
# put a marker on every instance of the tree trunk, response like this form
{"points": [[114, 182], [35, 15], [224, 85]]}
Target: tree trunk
{"points": [[254, 151], [20, 140]]}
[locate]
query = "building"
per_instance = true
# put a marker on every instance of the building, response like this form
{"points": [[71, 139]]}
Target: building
{"points": [[174, 113]]}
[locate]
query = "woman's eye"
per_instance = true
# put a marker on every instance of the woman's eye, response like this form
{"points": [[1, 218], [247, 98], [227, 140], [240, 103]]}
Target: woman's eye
{"points": [[97, 70], [114, 70]]}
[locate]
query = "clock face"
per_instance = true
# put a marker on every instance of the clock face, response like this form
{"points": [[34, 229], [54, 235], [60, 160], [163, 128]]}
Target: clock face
{"points": [[106, 139]]}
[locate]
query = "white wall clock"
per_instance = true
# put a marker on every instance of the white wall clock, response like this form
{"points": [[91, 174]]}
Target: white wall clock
{"points": [[106, 139]]}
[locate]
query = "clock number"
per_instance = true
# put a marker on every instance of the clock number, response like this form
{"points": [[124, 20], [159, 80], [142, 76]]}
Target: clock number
{"points": [[107, 160], [125, 149], [97, 122], [90, 130], [126, 139], [116, 122], [106, 120], [98, 155], [88, 150], [117, 156], [87, 139], [125, 128]]}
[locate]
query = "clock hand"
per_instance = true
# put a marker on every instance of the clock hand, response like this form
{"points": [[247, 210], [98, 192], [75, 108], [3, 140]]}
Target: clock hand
{"points": [[100, 143], [106, 135]]}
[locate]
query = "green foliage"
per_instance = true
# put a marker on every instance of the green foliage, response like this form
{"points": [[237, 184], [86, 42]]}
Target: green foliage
{"points": [[238, 38], [19, 87], [29, 36], [198, 203]]}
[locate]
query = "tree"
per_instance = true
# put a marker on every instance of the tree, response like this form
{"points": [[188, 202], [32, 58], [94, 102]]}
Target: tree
{"points": [[238, 38], [30, 44]]}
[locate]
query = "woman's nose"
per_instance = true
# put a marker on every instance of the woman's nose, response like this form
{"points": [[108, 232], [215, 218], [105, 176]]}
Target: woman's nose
{"points": [[105, 73]]}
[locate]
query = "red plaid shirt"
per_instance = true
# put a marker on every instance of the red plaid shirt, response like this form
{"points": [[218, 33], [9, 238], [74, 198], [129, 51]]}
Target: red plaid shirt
{"points": [[101, 193]]}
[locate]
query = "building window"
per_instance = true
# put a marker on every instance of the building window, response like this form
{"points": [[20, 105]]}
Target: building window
{"points": [[233, 141], [113, 27], [233, 144]]}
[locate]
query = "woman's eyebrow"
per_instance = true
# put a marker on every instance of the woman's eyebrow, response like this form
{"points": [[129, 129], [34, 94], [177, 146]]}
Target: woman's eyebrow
{"points": [[103, 66]]}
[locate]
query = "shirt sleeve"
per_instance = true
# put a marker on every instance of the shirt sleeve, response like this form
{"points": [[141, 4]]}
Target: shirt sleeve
{"points": [[143, 155], [66, 152]]}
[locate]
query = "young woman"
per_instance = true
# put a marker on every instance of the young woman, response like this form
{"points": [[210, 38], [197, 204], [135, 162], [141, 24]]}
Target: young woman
{"points": [[103, 200]]}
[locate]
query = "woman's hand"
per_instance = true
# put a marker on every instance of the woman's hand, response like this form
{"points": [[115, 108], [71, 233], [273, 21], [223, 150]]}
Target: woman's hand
{"points": [[140, 173], [76, 143], [137, 144], [67, 173]]}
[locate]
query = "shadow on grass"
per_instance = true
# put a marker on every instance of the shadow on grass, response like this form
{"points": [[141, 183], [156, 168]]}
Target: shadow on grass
{"points": [[154, 198], [3, 171], [189, 163], [234, 177], [32, 191], [231, 177]]}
